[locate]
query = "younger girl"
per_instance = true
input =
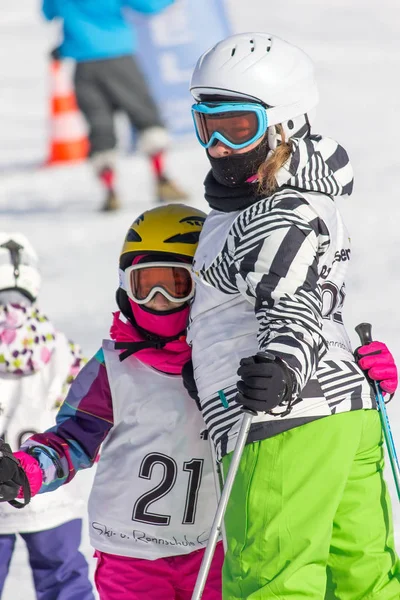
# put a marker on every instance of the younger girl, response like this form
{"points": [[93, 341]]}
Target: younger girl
{"points": [[153, 498]]}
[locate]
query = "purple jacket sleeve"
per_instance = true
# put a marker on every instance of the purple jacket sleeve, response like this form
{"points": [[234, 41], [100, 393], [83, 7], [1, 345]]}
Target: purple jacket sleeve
{"points": [[82, 424]]}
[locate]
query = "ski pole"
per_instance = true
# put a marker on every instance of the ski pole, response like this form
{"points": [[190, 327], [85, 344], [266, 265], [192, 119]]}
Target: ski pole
{"points": [[222, 504], [219, 484], [364, 331]]}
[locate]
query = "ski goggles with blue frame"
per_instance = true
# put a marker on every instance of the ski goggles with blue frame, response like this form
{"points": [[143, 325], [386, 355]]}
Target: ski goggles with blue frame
{"points": [[235, 124]]}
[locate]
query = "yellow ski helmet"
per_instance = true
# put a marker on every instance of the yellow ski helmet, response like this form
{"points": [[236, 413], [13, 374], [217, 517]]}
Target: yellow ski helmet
{"points": [[170, 229]]}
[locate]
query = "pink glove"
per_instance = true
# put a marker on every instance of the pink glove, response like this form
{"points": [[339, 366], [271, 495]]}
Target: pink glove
{"points": [[379, 364], [32, 470]]}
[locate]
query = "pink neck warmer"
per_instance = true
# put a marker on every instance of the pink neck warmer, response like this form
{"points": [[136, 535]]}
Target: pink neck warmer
{"points": [[170, 358], [161, 324]]}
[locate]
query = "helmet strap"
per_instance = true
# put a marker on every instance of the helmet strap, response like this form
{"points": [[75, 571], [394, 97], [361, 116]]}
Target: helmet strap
{"points": [[133, 347], [151, 340]]}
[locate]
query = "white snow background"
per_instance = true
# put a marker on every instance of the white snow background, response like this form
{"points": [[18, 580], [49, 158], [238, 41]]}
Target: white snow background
{"points": [[355, 48]]}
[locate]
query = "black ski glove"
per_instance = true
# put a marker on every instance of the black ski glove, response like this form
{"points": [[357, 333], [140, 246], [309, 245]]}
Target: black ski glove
{"points": [[12, 478], [190, 383], [265, 382]]}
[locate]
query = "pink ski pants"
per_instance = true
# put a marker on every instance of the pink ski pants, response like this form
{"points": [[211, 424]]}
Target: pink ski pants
{"points": [[171, 578]]}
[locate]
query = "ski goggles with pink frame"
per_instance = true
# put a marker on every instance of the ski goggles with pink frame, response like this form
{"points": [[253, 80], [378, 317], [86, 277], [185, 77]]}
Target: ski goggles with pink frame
{"points": [[235, 124]]}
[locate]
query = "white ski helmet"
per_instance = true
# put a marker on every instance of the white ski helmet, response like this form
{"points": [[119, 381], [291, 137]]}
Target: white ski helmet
{"points": [[259, 67], [18, 265]]}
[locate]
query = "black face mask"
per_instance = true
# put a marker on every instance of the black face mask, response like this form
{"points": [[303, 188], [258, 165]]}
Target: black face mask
{"points": [[236, 169]]}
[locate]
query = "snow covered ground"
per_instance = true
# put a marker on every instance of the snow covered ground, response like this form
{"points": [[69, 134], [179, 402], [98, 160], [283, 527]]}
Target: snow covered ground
{"points": [[355, 47]]}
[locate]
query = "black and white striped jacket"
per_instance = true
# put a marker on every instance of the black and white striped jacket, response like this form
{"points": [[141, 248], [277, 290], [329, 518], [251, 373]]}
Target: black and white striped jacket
{"points": [[271, 277]]}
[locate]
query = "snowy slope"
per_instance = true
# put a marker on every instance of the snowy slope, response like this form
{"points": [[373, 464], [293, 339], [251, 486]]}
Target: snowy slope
{"points": [[355, 48]]}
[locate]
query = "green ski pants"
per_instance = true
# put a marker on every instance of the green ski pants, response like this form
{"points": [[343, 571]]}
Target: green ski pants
{"points": [[310, 515]]}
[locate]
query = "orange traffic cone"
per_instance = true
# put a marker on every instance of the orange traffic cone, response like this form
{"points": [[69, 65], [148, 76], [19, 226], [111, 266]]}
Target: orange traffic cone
{"points": [[69, 141]]}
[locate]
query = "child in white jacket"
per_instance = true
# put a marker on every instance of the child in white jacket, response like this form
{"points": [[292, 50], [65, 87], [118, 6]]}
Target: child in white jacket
{"points": [[37, 364]]}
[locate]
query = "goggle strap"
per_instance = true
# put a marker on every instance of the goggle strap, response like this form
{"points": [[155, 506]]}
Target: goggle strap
{"points": [[121, 276]]}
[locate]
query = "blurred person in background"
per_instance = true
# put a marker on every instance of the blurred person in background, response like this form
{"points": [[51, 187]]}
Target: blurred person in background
{"points": [[37, 365], [97, 35]]}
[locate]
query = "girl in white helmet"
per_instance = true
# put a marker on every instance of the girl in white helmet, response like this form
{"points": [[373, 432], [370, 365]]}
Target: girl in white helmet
{"points": [[153, 498], [310, 515]]}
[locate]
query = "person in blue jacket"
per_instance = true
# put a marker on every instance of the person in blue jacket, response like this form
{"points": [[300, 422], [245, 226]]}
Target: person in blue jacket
{"points": [[97, 35]]}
